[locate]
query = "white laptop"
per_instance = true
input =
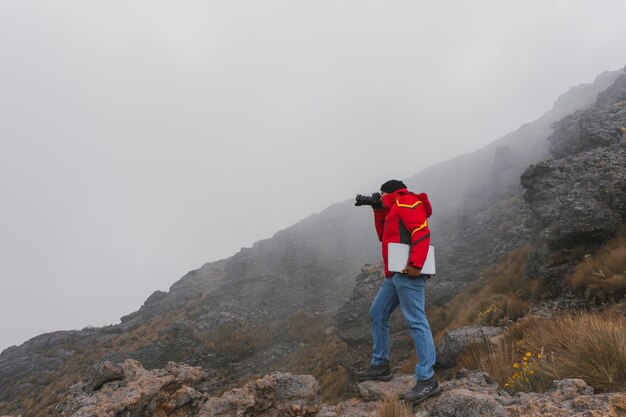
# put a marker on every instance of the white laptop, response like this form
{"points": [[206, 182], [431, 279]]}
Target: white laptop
{"points": [[398, 257]]}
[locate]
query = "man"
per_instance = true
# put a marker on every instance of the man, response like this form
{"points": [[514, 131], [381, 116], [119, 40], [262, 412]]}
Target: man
{"points": [[401, 217]]}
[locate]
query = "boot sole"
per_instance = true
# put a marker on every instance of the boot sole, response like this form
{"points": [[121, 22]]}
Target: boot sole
{"points": [[433, 393], [376, 378]]}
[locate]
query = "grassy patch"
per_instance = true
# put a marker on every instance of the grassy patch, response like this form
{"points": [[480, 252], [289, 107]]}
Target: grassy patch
{"points": [[589, 346], [601, 277], [500, 294]]}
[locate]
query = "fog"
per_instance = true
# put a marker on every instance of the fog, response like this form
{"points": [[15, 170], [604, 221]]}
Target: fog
{"points": [[139, 140]]}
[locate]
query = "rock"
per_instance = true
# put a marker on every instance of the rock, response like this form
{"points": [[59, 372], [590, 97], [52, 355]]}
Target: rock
{"points": [[141, 393], [103, 373], [172, 392], [378, 390], [570, 388], [454, 342], [473, 381], [465, 403], [569, 397], [276, 394], [296, 387], [350, 408]]}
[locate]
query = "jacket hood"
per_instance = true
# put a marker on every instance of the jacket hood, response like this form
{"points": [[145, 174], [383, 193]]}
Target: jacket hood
{"points": [[390, 198]]}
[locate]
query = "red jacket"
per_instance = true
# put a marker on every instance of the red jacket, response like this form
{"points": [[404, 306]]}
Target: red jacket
{"points": [[404, 220]]}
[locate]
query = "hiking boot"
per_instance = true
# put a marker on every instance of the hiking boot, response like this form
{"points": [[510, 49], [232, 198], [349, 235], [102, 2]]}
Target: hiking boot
{"points": [[422, 390], [375, 372]]}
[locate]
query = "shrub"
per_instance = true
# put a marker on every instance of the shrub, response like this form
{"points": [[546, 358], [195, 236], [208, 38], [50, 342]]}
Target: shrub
{"points": [[490, 316], [529, 374]]}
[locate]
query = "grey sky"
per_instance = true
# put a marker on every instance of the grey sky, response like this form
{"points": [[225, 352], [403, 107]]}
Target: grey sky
{"points": [[140, 139]]}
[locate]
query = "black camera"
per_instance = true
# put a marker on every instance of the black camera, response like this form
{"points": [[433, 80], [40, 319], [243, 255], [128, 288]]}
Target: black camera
{"points": [[374, 201]]}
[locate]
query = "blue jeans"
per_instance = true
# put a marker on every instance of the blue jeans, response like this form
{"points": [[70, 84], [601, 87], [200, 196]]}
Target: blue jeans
{"points": [[408, 293]]}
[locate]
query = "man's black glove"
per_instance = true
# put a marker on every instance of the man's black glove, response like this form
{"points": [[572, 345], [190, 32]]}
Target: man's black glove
{"points": [[378, 204]]}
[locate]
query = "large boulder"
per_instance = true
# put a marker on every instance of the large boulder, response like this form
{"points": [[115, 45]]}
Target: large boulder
{"points": [[379, 390], [461, 402], [166, 392], [105, 372], [454, 342], [279, 394]]}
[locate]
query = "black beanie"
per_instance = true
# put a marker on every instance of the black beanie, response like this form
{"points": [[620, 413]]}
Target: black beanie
{"points": [[391, 186]]}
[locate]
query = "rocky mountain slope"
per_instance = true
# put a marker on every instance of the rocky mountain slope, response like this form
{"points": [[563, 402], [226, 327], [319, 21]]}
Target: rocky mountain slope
{"points": [[251, 313], [578, 197]]}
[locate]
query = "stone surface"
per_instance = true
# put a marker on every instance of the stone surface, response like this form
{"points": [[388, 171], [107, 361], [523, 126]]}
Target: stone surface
{"points": [[170, 392], [278, 394], [571, 397], [461, 402], [454, 342], [105, 372], [378, 390], [158, 392], [476, 394], [350, 408]]}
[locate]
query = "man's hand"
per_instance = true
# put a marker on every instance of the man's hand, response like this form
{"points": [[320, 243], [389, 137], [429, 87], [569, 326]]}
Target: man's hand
{"points": [[412, 271]]}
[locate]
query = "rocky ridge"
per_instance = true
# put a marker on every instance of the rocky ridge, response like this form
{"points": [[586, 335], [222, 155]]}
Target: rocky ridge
{"points": [[173, 392]]}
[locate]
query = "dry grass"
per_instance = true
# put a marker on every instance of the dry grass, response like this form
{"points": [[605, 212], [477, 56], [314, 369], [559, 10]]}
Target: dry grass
{"points": [[601, 277], [590, 346], [393, 407], [495, 359], [500, 294]]}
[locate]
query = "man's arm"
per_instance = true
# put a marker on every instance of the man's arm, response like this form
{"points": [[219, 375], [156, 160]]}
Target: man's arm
{"points": [[379, 222]]}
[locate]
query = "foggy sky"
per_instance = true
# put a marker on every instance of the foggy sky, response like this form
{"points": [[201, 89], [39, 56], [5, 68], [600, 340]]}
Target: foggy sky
{"points": [[141, 139]]}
